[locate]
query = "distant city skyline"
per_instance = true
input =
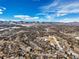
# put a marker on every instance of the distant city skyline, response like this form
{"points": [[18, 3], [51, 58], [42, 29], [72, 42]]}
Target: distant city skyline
{"points": [[39, 10]]}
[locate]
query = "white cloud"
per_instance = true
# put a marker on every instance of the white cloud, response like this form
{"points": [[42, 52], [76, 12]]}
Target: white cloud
{"points": [[50, 7], [57, 10], [69, 20], [26, 17], [2, 9], [60, 9], [67, 9], [1, 12], [45, 10], [30, 18]]}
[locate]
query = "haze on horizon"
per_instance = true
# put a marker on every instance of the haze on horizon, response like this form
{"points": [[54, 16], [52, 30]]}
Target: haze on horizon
{"points": [[39, 10]]}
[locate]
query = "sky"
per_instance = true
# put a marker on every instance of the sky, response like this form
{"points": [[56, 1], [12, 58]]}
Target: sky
{"points": [[39, 10]]}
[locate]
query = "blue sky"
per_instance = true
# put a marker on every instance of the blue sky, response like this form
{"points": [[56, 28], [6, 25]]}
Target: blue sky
{"points": [[40, 10]]}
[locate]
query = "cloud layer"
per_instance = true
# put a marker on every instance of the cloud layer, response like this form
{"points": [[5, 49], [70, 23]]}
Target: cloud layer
{"points": [[56, 9], [68, 9], [2, 9], [26, 17], [59, 9]]}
